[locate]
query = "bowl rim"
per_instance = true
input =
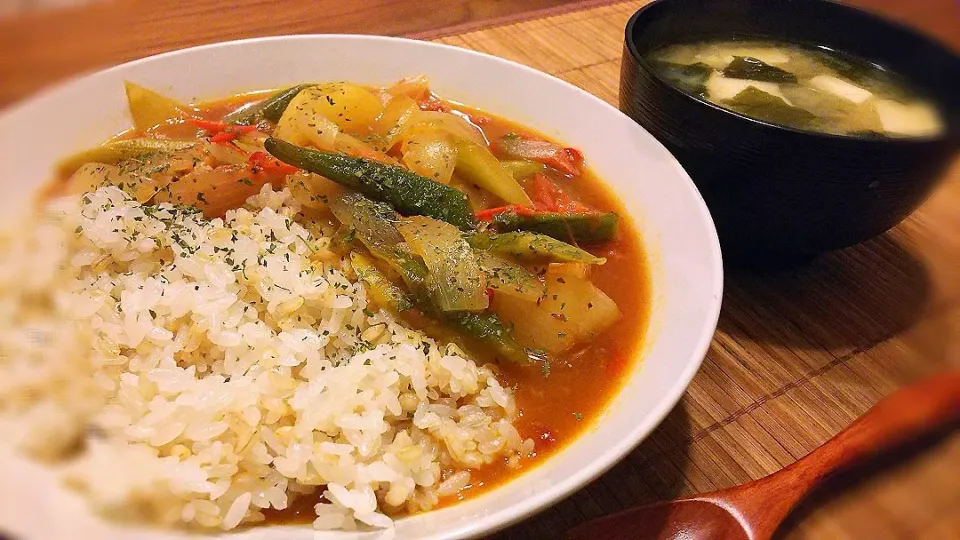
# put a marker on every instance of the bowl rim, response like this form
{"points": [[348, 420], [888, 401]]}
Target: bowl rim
{"points": [[640, 61], [568, 485]]}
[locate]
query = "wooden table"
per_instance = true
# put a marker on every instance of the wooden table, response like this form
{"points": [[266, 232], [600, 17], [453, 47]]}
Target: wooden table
{"points": [[797, 355]]}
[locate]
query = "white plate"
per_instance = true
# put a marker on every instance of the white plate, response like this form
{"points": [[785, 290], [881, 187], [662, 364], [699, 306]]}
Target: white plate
{"points": [[678, 235]]}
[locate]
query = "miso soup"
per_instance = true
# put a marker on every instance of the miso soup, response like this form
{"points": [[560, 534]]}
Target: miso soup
{"points": [[808, 88]]}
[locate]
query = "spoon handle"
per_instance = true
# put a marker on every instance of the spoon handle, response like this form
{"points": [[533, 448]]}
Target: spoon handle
{"points": [[753, 511], [904, 415]]}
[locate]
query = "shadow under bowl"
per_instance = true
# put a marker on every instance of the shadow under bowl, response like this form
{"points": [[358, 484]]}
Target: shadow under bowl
{"points": [[781, 195]]}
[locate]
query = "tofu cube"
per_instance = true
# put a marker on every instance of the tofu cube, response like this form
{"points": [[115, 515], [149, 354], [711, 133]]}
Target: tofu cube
{"points": [[720, 88], [841, 88], [917, 119]]}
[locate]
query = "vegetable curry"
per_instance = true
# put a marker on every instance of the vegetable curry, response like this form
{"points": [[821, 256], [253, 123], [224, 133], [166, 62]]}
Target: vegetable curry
{"points": [[470, 227]]}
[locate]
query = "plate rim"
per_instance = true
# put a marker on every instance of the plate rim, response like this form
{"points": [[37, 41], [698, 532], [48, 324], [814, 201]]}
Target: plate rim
{"points": [[566, 487]]}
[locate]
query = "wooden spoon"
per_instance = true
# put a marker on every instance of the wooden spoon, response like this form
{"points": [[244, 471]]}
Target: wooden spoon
{"points": [[753, 511]]}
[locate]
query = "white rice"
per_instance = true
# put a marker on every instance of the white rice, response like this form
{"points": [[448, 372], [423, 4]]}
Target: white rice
{"points": [[196, 372]]}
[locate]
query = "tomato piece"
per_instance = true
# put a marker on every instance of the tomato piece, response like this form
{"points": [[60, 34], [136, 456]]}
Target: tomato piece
{"points": [[208, 125], [566, 160], [524, 146], [433, 104], [549, 197], [222, 132], [544, 193], [262, 162], [223, 136], [489, 213], [480, 119]]}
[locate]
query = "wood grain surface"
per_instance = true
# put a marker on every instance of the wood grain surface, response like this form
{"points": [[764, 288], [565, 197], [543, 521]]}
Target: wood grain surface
{"points": [[39, 47], [755, 510], [797, 356]]}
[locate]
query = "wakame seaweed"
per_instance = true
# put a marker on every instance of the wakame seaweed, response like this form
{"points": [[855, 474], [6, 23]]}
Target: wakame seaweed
{"points": [[691, 78], [758, 104], [746, 67]]}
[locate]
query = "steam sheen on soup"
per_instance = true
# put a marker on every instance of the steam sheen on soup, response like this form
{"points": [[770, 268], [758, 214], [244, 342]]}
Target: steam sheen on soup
{"points": [[808, 88]]}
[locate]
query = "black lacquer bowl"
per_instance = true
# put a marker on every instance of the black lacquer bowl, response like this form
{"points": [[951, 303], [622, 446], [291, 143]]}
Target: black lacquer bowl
{"points": [[778, 194]]}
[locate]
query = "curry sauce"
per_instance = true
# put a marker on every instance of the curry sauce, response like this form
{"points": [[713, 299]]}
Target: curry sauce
{"points": [[559, 399]]}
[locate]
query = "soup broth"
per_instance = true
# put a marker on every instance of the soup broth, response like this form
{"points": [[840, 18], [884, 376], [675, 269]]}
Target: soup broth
{"points": [[807, 88]]}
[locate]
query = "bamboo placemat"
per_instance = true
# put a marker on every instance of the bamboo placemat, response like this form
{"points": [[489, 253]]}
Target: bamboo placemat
{"points": [[797, 355]]}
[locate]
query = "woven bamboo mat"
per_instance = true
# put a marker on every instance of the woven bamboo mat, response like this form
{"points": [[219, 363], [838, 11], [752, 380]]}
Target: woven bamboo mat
{"points": [[797, 356]]}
